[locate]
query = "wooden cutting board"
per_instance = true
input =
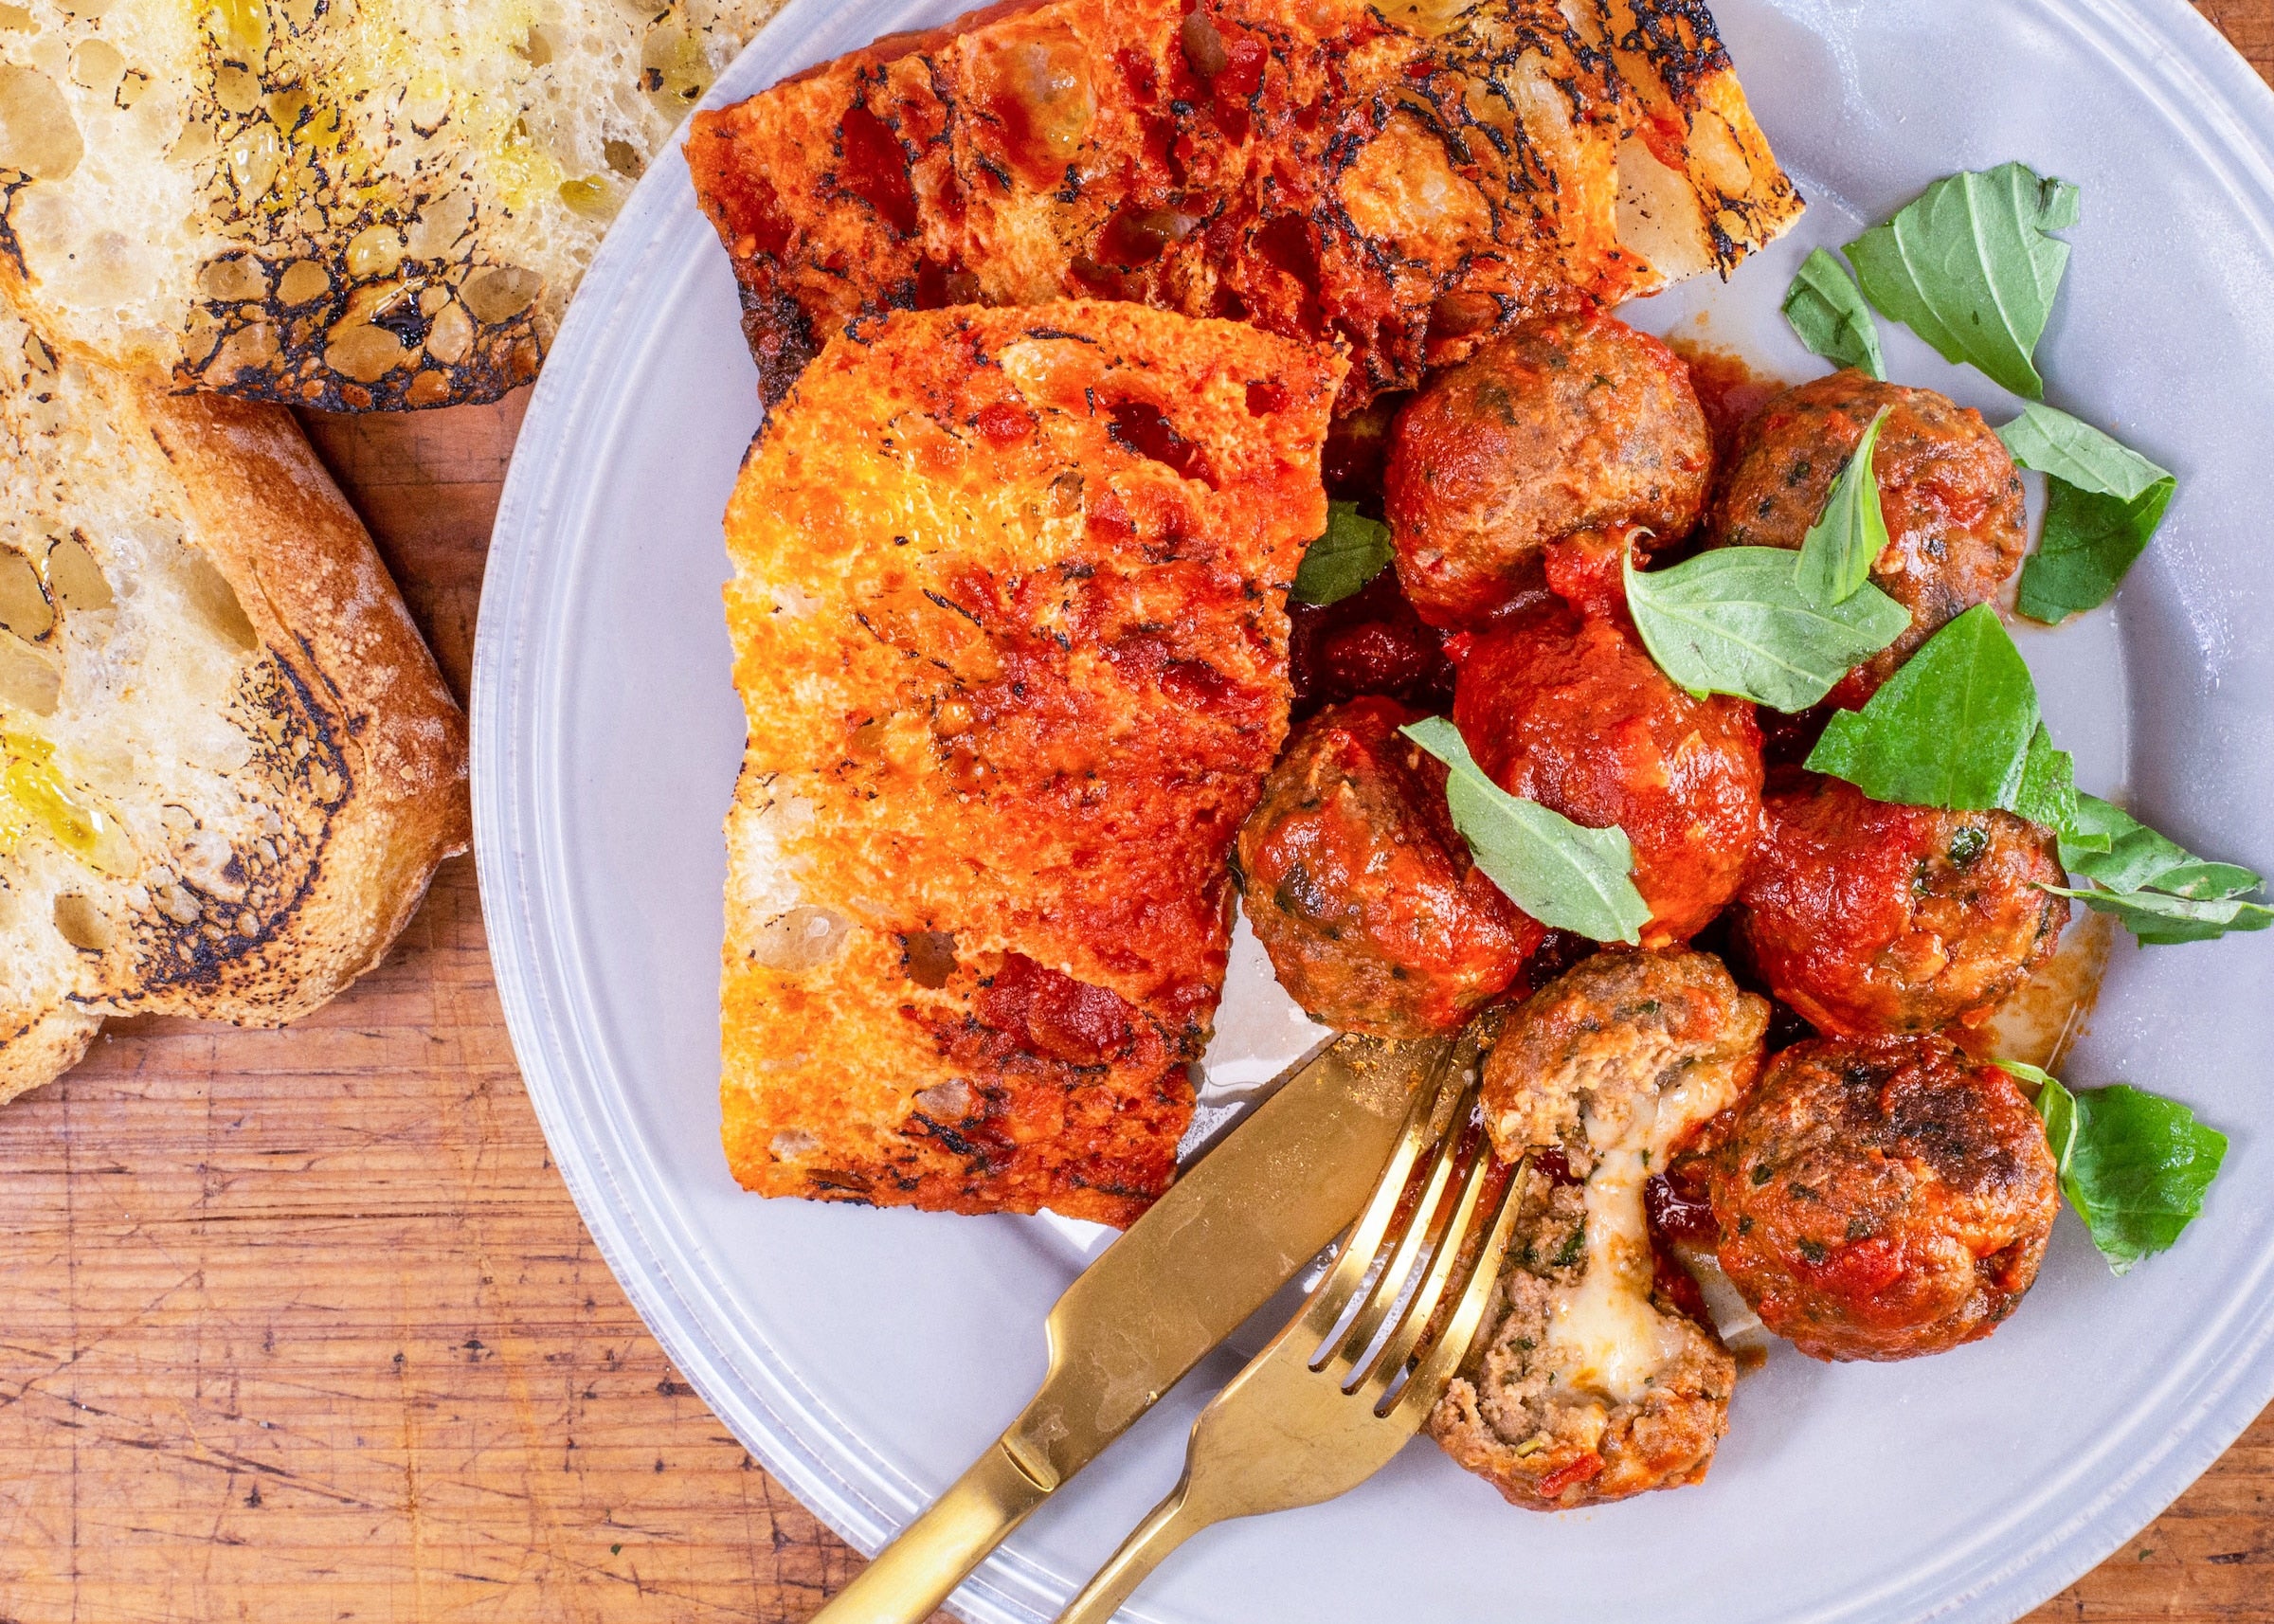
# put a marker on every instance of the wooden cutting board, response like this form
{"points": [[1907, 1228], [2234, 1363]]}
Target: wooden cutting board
{"points": [[303, 1325]]}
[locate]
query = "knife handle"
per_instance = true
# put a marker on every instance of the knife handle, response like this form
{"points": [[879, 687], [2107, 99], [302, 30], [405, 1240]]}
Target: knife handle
{"points": [[914, 1574]]}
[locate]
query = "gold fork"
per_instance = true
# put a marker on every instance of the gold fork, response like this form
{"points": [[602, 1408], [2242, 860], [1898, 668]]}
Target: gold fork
{"points": [[1333, 1398]]}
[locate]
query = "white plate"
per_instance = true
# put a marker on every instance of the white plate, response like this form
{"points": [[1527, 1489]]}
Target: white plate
{"points": [[864, 1356]]}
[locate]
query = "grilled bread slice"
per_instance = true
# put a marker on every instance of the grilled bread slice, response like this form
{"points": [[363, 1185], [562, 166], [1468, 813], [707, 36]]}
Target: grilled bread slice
{"points": [[1009, 629], [347, 203], [227, 764], [1405, 178]]}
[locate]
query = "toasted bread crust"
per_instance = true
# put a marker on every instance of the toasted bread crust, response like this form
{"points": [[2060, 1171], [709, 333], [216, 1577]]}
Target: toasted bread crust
{"points": [[259, 764], [304, 568], [350, 206], [1403, 184], [1009, 632]]}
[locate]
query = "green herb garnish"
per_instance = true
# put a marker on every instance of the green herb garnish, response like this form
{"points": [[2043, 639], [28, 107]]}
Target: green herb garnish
{"points": [[1970, 268], [1566, 876], [2106, 502], [1952, 727], [1850, 533], [1735, 621], [2163, 892], [1340, 563], [1958, 727], [2134, 1166], [1830, 316]]}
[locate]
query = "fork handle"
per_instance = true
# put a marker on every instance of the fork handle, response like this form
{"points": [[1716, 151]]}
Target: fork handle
{"points": [[914, 1574], [1165, 1527]]}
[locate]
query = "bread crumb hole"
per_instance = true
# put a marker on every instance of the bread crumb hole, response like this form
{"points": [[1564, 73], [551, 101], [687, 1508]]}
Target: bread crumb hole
{"points": [[802, 939], [37, 133], [24, 606], [928, 957], [214, 603], [74, 576], [950, 1101], [792, 1143], [80, 923], [27, 681]]}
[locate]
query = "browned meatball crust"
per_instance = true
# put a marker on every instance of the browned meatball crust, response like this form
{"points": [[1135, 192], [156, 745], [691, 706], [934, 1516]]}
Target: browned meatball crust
{"points": [[1589, 1383], [1870, 918], [1883, 1199], [1374, 914], [1953, 500], [1572, 423]]}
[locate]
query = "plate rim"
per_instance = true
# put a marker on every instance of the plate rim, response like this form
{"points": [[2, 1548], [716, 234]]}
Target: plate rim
{"points": [[2231, 104]]}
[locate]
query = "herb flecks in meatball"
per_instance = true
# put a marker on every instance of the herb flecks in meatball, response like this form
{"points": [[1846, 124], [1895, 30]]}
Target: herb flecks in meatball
{"points": [[1590, 1384], [1374, 914], [1953, 500], [1870, 918], [1573, 423], [1883, 1199], [1570, 710]]}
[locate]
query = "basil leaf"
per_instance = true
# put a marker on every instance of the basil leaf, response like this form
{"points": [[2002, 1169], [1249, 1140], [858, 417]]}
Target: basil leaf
{"points": [[1832, 317], [2104, 843], [1735, 621], [1852, 532], [2035, 1077], [2106, 503], [1969, 267], [2134, 1166], [2049, 785], [2158, 919], [2089, 542], [2073, 451], [1340, 563], [1566, 876], [1952, 727], [2162, 892]]}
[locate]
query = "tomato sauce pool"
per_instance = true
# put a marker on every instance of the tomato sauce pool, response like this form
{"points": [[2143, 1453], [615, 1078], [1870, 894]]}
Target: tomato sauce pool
{"points": [[1728, 388]]}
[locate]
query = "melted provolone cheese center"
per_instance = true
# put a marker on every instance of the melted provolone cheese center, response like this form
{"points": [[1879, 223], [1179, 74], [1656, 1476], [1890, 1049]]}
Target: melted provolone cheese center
{"points": [[1602, 1334]]}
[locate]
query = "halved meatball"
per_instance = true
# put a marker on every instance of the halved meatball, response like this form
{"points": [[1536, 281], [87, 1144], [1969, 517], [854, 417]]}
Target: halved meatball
{"points": [[1572, 423], [1952, 501], [1572, 711], [1884, 1198], [1589, 1383], [1871, 918], [1373, 913]]}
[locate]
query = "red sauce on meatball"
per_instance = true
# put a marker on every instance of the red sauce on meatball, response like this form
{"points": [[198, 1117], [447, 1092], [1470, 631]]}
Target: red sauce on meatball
{"points": [[1956, 524], [1883, 1199], [1570, 710], [1369, 642], [1367, 900], [1871, 918], [1568, 424]]}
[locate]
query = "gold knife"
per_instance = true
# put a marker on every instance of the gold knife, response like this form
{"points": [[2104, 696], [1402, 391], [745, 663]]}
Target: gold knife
{"points": [[1267, 1199]]}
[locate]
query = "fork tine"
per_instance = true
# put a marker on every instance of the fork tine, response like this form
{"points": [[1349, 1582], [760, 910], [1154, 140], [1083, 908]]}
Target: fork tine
{"points": [[1434, 1373], [1423, 1221], [1421, 1308], [1328, 1303]]}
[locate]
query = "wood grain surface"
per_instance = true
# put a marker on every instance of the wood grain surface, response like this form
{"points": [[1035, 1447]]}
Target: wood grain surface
{"points": [[303, 1325]]}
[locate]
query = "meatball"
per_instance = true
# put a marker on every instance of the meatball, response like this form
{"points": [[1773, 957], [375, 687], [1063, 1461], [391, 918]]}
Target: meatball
{"points": [[1952, 501], [1590, 1384], [1570, 710], [1572, 423], [1375, 917], [1369, 642], [1871, 918], [1883, 1197]]}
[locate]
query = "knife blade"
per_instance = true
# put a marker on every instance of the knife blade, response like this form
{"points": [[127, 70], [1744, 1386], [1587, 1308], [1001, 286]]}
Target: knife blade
{"points": [[1267, 1198]]}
